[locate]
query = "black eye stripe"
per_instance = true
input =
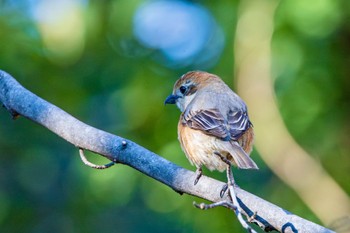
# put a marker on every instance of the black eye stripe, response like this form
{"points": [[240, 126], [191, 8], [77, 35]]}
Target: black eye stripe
{"points": [[191, 90]]}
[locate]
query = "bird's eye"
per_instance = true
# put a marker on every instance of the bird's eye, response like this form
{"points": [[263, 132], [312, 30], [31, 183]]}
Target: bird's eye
{"points": [[183, 89]]}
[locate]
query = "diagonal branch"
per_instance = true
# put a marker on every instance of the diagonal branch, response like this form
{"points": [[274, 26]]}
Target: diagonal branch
{"points": [[19, 101]]}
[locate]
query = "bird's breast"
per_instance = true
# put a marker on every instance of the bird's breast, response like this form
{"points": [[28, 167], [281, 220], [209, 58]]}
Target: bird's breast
{"points": [[199, 148]]}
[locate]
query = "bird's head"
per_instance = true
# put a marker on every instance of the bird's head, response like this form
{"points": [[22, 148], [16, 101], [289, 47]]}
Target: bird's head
{"points": [[188, 85]]}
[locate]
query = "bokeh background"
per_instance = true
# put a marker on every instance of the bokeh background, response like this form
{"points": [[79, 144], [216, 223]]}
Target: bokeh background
{"points": [[111, 64]]}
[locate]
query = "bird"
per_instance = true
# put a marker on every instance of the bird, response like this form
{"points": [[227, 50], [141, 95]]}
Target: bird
{"points": [[214, 129]]}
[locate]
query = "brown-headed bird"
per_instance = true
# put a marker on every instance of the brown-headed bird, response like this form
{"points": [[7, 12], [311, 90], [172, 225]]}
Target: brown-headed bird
{"points": [[214, 129]]}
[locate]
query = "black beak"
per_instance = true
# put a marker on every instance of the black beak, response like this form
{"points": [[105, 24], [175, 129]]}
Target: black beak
{"points": [[171, 99]]}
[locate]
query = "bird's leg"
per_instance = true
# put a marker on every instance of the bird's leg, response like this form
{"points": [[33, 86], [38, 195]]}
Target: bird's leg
{"points": [[228, 162], [233, 204], [236, 206], [230, 186], [230, 179], [199, 174]]}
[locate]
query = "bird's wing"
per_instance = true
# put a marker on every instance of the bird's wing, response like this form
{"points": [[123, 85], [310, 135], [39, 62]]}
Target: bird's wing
{"points": [[239, 122], [212, 122]]}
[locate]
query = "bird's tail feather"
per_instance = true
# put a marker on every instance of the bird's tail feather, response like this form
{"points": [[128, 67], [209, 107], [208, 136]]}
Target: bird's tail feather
{"points": [[241, 158]]}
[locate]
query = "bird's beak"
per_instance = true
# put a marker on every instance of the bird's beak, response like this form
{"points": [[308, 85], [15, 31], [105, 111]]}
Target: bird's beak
{"points": [[171, 99]]}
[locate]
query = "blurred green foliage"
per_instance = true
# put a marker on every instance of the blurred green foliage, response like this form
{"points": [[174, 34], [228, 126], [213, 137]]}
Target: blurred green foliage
{"points": [[109, 80]]}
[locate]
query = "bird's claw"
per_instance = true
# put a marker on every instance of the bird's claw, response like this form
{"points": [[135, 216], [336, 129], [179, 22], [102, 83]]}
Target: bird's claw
{"points": [[199, 173], [223, 190]]}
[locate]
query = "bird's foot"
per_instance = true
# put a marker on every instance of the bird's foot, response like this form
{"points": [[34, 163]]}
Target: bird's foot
{"points": [[223, 190], [225, 187], [199, 174]]}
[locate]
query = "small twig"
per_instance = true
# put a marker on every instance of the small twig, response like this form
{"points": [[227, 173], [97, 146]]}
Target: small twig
{"points": [[252, 218], [228, 205], [86, 162], [204, 206]]}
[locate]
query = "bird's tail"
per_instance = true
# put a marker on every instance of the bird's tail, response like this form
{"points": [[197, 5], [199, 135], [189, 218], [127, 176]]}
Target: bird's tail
{"points": [[240, 158]]}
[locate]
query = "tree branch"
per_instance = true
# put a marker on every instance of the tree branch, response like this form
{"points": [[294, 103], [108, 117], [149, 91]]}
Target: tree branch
{"points": [[19, 101]]}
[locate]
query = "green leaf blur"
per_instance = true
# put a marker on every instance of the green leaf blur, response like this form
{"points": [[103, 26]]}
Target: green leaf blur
{"points": [[89, 63]]}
